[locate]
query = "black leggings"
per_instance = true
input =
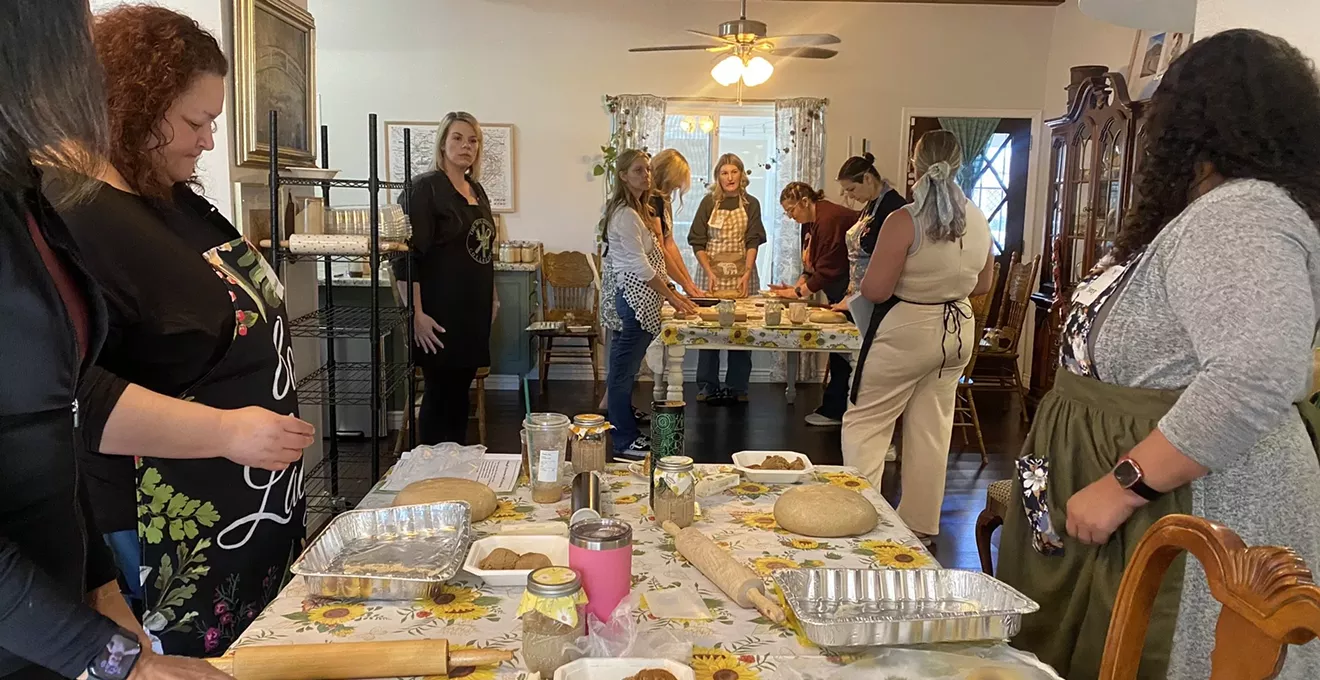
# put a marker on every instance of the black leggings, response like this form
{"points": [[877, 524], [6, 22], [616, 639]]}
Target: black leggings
{"points": [[446, 403]]}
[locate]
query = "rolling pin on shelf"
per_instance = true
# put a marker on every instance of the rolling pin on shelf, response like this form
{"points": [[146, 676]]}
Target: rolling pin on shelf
{"points": [[354, 660], [717, 564]]}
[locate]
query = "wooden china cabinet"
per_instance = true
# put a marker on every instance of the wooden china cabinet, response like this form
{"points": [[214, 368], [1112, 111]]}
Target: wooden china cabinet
{"points": [[1094, 156]]}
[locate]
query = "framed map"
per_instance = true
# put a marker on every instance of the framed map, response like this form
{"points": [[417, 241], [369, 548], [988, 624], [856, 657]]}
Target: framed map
{"points": [[497, 160]]}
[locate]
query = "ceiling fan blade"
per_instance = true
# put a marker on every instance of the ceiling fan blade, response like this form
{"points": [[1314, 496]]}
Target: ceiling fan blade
{"points": [[804, 52], [712, 36], [680, 48], [802, 40]]}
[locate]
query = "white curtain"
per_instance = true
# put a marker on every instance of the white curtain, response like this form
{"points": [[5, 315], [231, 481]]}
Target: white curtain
{"points": [[637, 121], [800, 142]]}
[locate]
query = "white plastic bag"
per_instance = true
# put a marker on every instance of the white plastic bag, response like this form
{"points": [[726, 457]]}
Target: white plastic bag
{"points": [[620, 638], [441, 460]]}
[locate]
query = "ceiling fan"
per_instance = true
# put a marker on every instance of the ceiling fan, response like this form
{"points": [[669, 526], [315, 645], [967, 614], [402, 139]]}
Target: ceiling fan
{"points": [[745, 41]]}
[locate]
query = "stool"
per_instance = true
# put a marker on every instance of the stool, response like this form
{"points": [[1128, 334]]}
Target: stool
{"points": [[998, 498], [479, 413]]}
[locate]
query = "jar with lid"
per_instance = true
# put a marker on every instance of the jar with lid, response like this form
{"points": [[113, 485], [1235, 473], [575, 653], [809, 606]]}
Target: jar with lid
{"points": [[553, 618], [506, 252], [547, 449], [589, 434], [674, 496]]}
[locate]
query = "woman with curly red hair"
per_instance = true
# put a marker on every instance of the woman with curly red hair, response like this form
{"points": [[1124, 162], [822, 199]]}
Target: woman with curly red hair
{"points": [[197, 314]]}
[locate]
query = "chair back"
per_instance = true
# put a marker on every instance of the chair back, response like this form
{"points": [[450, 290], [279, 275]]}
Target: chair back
{"points": [[1017, 300], [980, 312], [1268, 596], [568, 287]]}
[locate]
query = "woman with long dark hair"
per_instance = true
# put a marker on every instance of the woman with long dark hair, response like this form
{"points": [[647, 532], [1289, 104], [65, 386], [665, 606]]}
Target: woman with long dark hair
{"points": [[1181, 358], [61, 612]]}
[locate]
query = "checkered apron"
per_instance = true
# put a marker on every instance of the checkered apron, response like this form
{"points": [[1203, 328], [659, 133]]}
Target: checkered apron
{"points": [[728, 236]]}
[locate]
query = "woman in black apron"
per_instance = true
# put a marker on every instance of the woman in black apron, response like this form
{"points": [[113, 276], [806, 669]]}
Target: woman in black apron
{"points": [[195, 312], [453, 271]]}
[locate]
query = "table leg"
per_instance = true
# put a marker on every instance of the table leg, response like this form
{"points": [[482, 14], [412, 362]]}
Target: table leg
{"points": [[661, 376], [674, 366], [791, 360]]}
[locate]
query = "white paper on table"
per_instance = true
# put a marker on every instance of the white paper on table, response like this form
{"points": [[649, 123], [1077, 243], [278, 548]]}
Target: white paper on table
{"points": [[861, 310], [499, 471]]}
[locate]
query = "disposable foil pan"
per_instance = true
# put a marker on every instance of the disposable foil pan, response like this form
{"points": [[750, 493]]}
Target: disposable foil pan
{"points": [[402, 553], [844, 608]]}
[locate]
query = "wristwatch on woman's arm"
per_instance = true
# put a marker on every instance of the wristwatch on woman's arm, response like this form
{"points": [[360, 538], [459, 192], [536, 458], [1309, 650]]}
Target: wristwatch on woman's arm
{"points": [[117, 659], [1130, 476]]}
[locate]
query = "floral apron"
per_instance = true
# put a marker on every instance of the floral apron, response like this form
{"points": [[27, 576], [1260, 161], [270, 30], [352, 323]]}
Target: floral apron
{"points": [[217, 537]]}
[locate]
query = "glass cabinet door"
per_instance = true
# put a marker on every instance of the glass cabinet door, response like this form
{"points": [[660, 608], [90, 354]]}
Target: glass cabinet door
{"points": [[1109, 208], [1083, 148], [1057, 217]]}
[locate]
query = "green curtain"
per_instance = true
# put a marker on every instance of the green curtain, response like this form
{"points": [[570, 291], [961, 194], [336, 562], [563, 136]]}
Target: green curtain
{"points": [[973, 133]]}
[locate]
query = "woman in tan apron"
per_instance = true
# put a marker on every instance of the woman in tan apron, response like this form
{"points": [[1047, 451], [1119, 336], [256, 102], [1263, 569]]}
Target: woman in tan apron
{"points": [[726, 234], [1182, 356]]}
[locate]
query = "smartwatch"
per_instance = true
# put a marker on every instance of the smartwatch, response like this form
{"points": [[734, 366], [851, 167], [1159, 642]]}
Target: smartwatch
{"points": [[116, 660], [1130, 476]]}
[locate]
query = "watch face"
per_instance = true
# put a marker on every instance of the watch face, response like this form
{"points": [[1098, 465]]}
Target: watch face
{"points": [[1127, 473], [115, 662]]}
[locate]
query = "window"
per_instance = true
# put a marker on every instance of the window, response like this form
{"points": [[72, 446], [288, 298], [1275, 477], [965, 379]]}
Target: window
{"points": [[703, 132], [990, 192]]}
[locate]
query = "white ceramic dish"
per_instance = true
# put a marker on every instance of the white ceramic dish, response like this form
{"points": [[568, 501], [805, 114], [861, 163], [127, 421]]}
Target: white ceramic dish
{"points": [[554, 547], [579, 329], [743, 460], [311, 173], [619, 669]]}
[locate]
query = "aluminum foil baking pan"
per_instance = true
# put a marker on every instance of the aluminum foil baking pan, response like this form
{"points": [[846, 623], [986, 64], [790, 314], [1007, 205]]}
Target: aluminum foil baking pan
{"points": [[843, 608], [402, 553]]}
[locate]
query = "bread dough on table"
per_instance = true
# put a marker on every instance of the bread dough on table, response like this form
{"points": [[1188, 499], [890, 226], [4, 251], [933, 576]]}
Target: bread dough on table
{"points": [[825, 511], [439, 489], [500, 559], [827, 316], [533, 561]]}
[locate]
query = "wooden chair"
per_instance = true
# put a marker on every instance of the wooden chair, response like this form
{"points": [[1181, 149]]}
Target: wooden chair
{"points": [[998, 500], [568, 293], [964, 406], [1269, 600], [997, 368], [479, 412]]}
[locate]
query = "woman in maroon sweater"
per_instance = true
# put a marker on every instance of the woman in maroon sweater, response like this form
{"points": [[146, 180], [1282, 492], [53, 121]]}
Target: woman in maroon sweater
{"points": [[824, 227]]}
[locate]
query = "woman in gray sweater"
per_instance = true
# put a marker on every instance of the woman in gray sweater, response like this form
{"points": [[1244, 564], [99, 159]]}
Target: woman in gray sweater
{"points": [[1183, 355]]}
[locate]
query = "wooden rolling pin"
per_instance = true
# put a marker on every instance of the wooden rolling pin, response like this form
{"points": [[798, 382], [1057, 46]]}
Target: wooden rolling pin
{"points": [[736, 580], [350, 660]]}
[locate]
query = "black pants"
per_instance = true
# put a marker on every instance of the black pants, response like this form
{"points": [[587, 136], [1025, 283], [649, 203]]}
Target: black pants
{"points": [[446, 404], [835, 401]]}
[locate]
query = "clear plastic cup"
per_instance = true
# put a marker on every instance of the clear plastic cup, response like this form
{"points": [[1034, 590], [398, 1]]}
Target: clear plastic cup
{"points": [[547, 446]]}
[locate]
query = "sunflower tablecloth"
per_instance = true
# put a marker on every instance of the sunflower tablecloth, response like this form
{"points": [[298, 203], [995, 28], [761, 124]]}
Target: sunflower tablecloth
{"points": [[733, 644]]}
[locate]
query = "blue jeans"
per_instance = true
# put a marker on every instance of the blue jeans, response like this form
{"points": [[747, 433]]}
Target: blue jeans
{"points": [[627, 351], [128, 556], [736, 378]]}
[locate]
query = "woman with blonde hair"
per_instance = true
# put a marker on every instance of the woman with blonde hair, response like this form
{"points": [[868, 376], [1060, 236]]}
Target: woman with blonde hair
{"points": [[452, 250], [635, 266], [726, 234], [928, 258]]}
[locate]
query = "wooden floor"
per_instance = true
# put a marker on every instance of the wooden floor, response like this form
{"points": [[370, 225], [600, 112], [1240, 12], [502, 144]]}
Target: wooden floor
{"points": [[768, 422]]}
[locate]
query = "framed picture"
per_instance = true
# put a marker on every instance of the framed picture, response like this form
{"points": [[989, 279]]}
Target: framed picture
{"points": [[496, 157], [1152, 52], [274, 69]]}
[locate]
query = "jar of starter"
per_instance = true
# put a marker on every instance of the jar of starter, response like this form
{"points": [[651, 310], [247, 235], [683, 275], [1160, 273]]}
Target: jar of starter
{"points": [[553, 618], [674, 497], [547, 450], [590, 431]]}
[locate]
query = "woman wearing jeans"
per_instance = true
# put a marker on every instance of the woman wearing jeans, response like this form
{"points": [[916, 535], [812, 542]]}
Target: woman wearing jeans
{"points": [[635, 269]]}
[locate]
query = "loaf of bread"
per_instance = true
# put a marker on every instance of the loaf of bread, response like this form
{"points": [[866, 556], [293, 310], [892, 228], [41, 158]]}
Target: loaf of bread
{"points": [[827, 316], [712, 314], [533, 561], [500, 559], [440, 489], [825, 511]]}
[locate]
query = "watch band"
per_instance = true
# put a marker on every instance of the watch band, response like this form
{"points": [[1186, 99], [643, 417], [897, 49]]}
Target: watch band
{"points": [[1137, 484], [117, 659]]}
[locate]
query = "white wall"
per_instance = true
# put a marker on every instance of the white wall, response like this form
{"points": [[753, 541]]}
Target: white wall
{"points": [[544, 65], [1298, 21]]}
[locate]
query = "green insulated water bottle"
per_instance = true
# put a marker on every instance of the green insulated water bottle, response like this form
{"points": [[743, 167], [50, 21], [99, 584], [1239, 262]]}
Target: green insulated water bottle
{"points": [[667, 433]]}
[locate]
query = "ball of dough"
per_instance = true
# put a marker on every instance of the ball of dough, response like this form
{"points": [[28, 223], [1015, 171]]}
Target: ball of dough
{"points": [[825, 511], [479, 496], [533, 561], [500, 559], [827, 316]]}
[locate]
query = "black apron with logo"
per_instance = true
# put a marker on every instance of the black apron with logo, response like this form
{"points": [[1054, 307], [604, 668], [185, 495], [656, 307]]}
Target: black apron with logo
{"points": [[458, 284], [217, 537]]}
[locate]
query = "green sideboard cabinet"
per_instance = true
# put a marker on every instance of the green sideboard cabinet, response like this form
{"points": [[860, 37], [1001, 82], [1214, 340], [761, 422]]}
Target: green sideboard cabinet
{"points": [[510, 343]]}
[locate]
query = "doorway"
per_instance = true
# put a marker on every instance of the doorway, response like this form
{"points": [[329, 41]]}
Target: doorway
{"points": [[999, 184]]}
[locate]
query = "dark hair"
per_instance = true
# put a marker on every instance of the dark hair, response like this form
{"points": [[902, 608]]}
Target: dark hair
{"points": [[1243, 101], [52, 106], [151, 55], [856, 169], [796, 191]]}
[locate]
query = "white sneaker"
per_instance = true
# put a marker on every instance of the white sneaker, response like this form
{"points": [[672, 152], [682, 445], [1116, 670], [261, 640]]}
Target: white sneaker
{"points": [[892, 454], [819, 420]]}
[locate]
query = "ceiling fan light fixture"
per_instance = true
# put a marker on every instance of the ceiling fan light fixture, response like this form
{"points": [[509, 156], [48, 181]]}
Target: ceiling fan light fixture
{"points": [[728, 70], [757, 71]]}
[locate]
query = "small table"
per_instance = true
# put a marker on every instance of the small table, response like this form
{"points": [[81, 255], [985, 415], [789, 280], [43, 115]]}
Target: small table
{"points": [[680, 335], [470, 613]]}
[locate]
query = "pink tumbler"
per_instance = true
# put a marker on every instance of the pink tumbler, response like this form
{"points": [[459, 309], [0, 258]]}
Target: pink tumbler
{"points": [[600, 551]]}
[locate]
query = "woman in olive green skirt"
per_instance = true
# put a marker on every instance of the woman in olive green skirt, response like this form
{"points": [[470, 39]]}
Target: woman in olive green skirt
{"points": [[1182, 355]]}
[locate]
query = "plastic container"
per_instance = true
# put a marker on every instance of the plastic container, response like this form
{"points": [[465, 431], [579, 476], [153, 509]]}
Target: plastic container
{"points": [[600, 551], [552, 619], [554, 547], [590, 439], [744, 460], [618, 669], [547, 448]]}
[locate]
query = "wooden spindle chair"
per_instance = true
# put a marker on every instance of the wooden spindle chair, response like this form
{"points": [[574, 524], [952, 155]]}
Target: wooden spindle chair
{"points": [[997, 365], [568, 293], [964, 405]]}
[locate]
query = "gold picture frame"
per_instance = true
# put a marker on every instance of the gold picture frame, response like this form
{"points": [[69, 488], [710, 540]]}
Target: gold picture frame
{"points": [[274, 68]]}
